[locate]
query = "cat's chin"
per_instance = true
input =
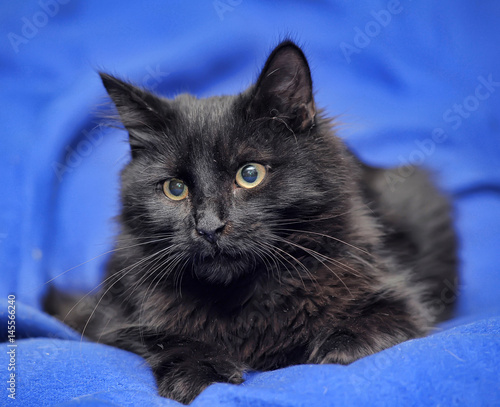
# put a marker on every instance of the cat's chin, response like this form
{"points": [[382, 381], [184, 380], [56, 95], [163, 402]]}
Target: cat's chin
{"points": [[222, 270]]}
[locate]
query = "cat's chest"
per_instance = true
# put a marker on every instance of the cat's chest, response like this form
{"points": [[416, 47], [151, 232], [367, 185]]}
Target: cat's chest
{"points": [[271, 323]]}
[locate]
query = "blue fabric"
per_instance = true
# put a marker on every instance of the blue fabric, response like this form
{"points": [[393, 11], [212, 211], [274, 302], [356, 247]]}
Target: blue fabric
{"points": [[411, 82]]}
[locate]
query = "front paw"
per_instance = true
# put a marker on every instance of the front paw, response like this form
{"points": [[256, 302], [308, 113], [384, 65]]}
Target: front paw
{"points": [[342, 347], [184, 381]]}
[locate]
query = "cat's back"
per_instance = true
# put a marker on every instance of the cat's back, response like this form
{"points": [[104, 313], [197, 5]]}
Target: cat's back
{"points": [[418, 228]]}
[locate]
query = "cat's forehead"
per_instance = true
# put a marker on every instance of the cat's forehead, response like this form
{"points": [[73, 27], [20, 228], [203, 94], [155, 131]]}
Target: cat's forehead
{"points": [[214, 129], [212, 111], [209, 124]]}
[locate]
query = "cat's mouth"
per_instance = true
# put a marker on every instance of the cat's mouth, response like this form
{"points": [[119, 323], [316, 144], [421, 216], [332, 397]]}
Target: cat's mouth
{"points": [[221, 267]]}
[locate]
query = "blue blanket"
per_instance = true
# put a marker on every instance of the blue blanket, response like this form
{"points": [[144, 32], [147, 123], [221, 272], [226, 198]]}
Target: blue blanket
{"points": [[411, 82]]}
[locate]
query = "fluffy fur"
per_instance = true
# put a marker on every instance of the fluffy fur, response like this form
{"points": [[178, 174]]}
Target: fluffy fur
{"points": [[323, 262]]}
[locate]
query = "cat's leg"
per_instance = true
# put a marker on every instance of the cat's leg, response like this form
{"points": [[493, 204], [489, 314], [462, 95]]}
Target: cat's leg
{"points": [[382, 325], [183, 367]]}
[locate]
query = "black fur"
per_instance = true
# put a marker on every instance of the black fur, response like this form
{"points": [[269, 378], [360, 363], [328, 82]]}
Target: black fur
{"points": [[320, 263]]}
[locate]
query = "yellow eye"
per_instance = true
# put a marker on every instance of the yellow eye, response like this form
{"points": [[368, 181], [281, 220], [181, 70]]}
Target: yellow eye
{"points": [[175, 189], [250, 175]]}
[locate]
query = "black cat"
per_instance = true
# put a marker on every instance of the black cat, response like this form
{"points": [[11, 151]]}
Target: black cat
{"points": [[251, 238]]}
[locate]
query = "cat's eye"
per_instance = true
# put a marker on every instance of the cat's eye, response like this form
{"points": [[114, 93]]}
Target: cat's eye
{"points": [[250, 175], [175, 189]]}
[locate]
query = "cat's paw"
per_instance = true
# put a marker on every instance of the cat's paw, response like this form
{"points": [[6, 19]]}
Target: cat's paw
{"points": [[184, 382], [339, 347]]}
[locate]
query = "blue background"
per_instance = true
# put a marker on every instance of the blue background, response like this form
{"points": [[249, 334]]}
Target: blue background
{"points": [[394, 72]]}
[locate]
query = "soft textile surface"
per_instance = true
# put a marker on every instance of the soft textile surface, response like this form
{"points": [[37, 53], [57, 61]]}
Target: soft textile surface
{"points": [[412, 82]]}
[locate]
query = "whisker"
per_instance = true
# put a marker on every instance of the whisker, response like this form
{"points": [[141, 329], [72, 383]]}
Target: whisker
{"points": [[105, 253], [262, 254], [309, 219], [161, 270], [320, 257], [162, 253], [311, 251], [179, 272], [271, 250], [115, 275], [327, 236], [279, 251], [121, 274]]}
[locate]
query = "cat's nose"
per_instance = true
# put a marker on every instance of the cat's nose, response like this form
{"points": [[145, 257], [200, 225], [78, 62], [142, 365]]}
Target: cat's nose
{"points": [[209, 234], [208, 222]]}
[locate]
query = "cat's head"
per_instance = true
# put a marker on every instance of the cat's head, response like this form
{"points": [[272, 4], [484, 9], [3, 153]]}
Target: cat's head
{"points": [[216, 185]]}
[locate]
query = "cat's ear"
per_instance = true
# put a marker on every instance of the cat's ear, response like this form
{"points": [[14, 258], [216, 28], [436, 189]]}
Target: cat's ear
{"points": [[284, 88], [142, 113]]}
